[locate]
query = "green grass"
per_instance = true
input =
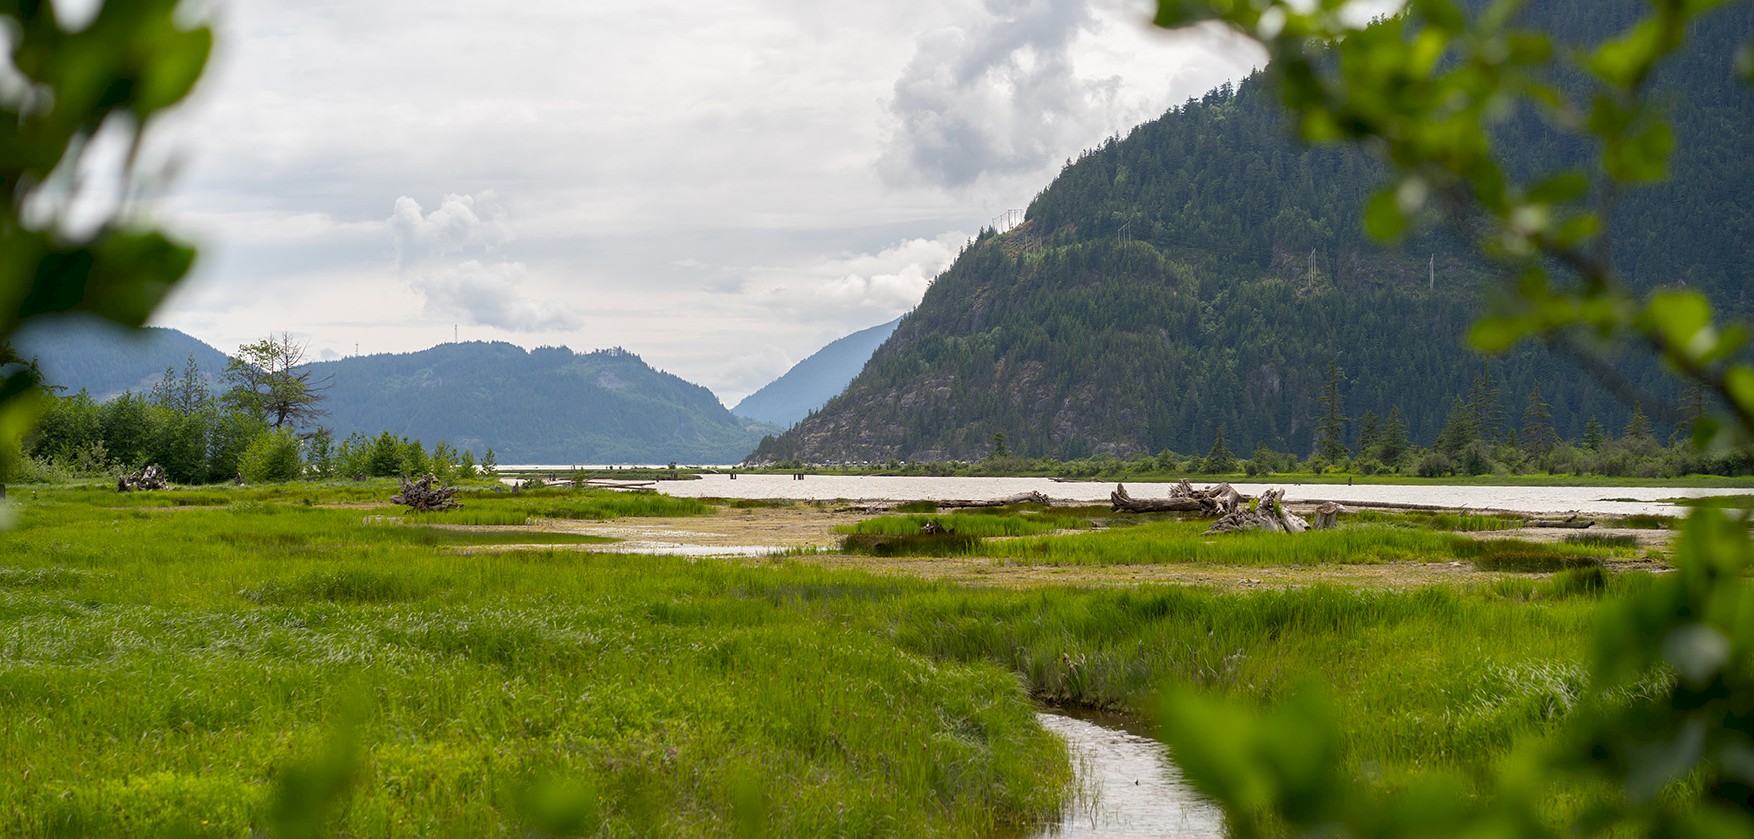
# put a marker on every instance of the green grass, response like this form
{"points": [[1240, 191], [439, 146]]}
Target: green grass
{"points": [[979, 523], [183, 670], [169, 671], [1459, 522], [1171, 542]]}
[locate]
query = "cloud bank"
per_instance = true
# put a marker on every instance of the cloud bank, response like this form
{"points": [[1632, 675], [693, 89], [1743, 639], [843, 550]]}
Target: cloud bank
{"points": [[996, 96], [484, 290]]}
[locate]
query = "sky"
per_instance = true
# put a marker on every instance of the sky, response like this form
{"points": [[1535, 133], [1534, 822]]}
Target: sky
{"points": [[721, 188]]}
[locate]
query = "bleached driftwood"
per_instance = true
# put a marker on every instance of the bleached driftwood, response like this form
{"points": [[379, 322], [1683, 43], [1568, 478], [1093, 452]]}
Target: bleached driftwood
{"points": [[1270, 515], [145, 480], [1031, 497], [1183, 498], [423, 497]]}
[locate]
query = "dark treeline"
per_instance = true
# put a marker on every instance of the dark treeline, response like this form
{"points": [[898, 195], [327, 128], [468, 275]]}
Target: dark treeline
{"points": [[1207, 269]]}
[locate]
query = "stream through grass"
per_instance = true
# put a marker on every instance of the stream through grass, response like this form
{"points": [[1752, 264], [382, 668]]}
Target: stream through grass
{"points": [[1126, 787]]}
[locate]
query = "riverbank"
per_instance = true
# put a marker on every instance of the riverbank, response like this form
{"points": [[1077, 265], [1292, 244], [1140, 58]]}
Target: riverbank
{"points": [[1614, 500]]}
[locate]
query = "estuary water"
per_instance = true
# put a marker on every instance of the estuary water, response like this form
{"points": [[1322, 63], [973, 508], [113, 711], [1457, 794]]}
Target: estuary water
{"points": [[1526, 499], [1126, 787]]}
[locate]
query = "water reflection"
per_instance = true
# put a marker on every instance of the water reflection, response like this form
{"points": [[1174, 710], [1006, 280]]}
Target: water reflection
{"points": [[1127, 787]]}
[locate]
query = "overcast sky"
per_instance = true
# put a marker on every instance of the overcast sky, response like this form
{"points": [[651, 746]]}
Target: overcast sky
{"points": [[721, 188]]}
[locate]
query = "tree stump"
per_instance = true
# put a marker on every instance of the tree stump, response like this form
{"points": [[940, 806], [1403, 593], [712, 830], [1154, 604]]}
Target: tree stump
{"points": [[1270, 515], [1327, 515], [422, 497]]}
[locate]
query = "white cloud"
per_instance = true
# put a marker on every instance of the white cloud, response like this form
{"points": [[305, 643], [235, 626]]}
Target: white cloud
{"points": [[998, 95], [487, 294], [459, 223], [486, 290]]}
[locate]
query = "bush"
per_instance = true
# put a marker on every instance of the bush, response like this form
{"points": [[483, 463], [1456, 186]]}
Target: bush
{"points": [[1436, 465], [271, 458]]}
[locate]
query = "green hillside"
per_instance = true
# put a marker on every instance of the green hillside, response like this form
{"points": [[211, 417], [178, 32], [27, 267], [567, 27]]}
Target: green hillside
{"points": [[1204, 271]]}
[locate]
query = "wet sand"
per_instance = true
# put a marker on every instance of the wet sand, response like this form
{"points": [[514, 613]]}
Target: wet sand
{"points": [[797, 531]]}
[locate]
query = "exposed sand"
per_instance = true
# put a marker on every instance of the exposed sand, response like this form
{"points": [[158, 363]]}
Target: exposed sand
{"points": [[761, 532]]}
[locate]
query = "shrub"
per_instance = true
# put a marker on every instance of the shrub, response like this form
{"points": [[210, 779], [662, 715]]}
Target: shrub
{"points": [[271, 458]]}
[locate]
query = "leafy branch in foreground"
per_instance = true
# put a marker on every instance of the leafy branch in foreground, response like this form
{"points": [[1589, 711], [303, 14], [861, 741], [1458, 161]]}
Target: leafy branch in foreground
{"points": [[1661, 745], [64, 85]]}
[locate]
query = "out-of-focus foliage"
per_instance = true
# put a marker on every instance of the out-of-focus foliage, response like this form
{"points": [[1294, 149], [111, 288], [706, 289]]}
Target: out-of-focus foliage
{"points": [[1661, 743], [63, 89]]}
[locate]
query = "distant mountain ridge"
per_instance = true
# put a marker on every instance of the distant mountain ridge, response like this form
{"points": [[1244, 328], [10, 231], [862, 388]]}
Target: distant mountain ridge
{"points": [[815, 380], [548, 405], [106, 359]]}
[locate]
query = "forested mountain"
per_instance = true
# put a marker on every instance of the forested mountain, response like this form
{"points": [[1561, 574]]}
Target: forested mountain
{"points": [[106, 359], [1205, 271], [548, 405], [815, 380]]}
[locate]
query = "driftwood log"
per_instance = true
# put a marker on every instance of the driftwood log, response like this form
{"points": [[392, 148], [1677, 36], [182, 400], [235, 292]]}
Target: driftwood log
{"points": [[1573, 523], [145, 480], [1183, 498], [1031, 497], [1271, 515], [422, 497]]}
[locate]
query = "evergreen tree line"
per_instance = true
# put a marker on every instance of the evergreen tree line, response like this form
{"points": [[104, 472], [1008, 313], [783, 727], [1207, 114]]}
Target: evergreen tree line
{"points": [[199, 436]]}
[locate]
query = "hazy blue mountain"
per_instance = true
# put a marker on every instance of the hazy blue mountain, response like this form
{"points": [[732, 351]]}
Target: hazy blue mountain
{"points": [[815, 380], [106, 359], [548, 405]]}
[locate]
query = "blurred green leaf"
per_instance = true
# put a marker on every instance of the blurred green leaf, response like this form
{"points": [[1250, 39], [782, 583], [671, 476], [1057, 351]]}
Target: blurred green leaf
{"points": [[1383, 218]]}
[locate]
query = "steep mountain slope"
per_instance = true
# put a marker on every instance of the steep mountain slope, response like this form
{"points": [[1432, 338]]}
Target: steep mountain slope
{"points": [[548, 405], [1203, 272], [815, 380], [105, 359]]}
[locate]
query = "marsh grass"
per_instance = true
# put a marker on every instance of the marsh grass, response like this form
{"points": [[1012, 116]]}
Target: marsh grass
{"points": [[977, 523], [1458, 522], [1171, 542], [215, 663], [192, 673], [1602, 540], [910, 544]]}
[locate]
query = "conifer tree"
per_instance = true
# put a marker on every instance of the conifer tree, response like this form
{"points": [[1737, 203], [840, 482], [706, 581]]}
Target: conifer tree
{"points": [[1331, 430], [1392, 441], [1369, 429], [1538, 437], [1485, 404], [1219, 461], [1593, 435], [1460, 428]]}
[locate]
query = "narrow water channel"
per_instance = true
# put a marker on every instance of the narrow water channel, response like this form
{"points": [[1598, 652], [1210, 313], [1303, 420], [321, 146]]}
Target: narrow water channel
{"points": [[1126, 786]]}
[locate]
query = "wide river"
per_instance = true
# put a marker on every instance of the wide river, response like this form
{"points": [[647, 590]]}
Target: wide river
{"points": [[1525, 499]]}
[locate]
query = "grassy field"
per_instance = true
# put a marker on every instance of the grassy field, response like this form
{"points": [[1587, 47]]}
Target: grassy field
{"points": [[217, 661]]}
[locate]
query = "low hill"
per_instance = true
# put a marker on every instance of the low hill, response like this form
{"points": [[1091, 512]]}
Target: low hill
{"points": [[815, 380], [105, 359]]}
